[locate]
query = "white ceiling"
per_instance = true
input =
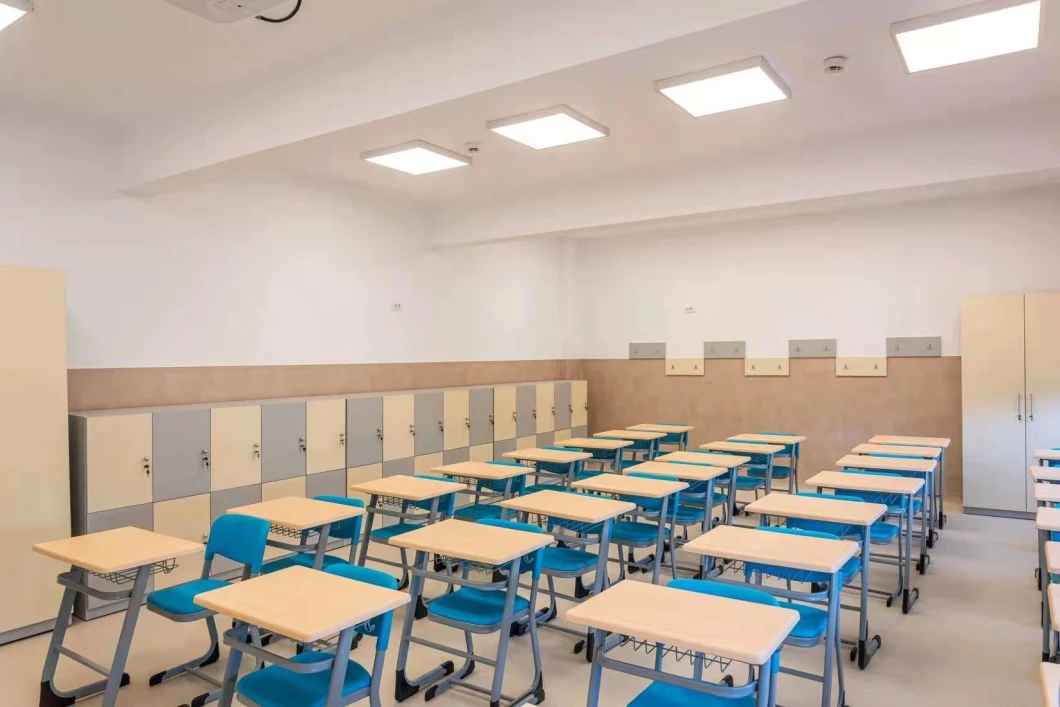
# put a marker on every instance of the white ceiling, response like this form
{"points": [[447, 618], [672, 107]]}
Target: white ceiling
{"points": [[650, 135], [117, 60]]}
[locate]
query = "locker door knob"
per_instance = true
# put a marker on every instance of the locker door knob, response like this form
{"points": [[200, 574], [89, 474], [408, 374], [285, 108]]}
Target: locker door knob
{"points": [[553, 411], [205, 539], [586, 406], [412, 430], [342, 439], [147, 465], [515, 417], [301, 443], [206, 457], [467, 422], [570, 408], [491, 419], [379, 433], [441, 426], [535, 413], [257, 449]]}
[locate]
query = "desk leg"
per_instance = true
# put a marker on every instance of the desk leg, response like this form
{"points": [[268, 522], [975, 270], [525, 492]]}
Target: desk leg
{"points": [[910, 594], [322, 546], [769, 474], [596, 672], [835, 590], [420, 607], [866, 647], [660, 540], [338, 667], [403, 687], [505, 635], [235, 657], [930, 484], [924, 558], [128, 626], [1047, 622], [942, 489], [765, 697], [369, 520], [732, 496]]}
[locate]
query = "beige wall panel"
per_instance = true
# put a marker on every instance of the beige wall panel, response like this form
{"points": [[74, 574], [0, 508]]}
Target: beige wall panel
{"points": [[187, 518], [235, 447], [456, 416], [325, 425], [504, 412], [398, 419], [119, 461]]}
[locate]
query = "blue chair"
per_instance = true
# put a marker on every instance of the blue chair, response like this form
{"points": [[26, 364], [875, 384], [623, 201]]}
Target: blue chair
{"points": [[635, 534], [557, 469], [677, 439], [478, 510], [695, 496], [349, 529], [238, 538], [785, 463], [1053, 462], [282, 686]]}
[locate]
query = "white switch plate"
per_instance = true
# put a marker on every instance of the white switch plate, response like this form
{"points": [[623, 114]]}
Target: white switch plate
{"points": [[396, 307], [690, 310]]}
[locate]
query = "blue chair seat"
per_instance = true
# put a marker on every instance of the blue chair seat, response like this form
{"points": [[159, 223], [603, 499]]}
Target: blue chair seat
{"points": [[278, 687], [384, 534], [779, 472], [565, 559], [745, 483], [687, 514], [478, 511], [812, 621], [883, 533], [178, 599], [661, 694], [301, 559], [478, 607], [625, 532]]}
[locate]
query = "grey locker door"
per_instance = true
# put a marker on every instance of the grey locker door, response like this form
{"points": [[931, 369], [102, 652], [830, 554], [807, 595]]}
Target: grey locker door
{"points": [[328, 483], [142, 516], [180, 441], [525, 400], [563, 403], [453, 456], [430, 412], [364, 425], [481, 412], [282, 441], [502, 446]]}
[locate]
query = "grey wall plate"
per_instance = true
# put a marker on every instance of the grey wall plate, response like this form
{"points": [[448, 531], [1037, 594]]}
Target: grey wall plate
{"points": [[914, 346], [811, 348], [725, 349], [648, 351]]}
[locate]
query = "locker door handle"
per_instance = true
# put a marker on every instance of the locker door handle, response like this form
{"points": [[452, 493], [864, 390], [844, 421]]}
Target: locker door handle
{"points": [[147, 465], [206, 457], [491, 419], [570, 408], [342, 439], [586, 406], [301, 443], [535, 413], [515, 418], [467, 422], [441, 426], [1019, 406], [553, 411], [1030, 407], [412, 430], [379, 433], [257, 449]]}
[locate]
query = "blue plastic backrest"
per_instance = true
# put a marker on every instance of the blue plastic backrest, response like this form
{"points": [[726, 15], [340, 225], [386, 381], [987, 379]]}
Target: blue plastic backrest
{"points": [[557, 468], [379, 626], [530, 562], [446, 503], [701, 486], [240, 539], [653, 504], [671, 437], [345, 529], [498, 485]]}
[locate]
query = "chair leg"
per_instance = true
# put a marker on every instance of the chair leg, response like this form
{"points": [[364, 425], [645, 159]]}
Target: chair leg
{"points": [[211, 656], [404, 582]]}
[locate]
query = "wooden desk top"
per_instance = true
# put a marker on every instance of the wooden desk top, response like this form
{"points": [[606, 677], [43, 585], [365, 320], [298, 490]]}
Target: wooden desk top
{"points": [[472, 541], [742, 447], [904, 485], [631, 434], [787, 506], [685, 472], [743, 631], [911, 441], [727, 461], [302, 603], [1047, 493], [859, 461], [1047, 519], [298, 513], [1044, 473], [482, 470], [768, 439], [1049, 455], [603, 443], [766, 547], [655, 427], [117, 550], [571, 506], [409, 488], [554, 456], [1052, 557], [1049, 674], [924, 452], [631, 485]]}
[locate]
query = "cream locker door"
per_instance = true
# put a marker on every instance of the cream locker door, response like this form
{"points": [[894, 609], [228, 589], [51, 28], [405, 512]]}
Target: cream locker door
{"points": [[457, 419], [992, 383], [235, 444], [1042, 318], [504, 412], [579, 402], [399, 416], [189, 519], [325, 435], [546, 407], [118, 463]]}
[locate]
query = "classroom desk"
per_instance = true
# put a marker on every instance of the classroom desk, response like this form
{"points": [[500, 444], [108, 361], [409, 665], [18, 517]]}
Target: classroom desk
{"points": [[1047, 455], [692, 473], [861, 515], [944, 443], [1047, 522], [297, 517], [788, 440], [618, 485], [794, 552], [467, 473], [597, 446], [925, 468], [573, 460], [1047, 494], [301, 604], [124, 556], [1049, 676], [766, 450], [727, 461], [484, 545], [1044, 474], [701, 624], [682, 430], [652, 438], [900, 485]]}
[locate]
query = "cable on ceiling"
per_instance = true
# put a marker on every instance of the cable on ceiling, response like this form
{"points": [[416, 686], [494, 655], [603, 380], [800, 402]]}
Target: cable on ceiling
{"points": [[279, 20]]}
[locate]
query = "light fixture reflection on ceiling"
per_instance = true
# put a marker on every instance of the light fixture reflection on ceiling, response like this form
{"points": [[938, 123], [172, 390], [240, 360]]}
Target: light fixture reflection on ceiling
{"points": [[741, 84], [416, 157], [11, 11], [549, 127]]}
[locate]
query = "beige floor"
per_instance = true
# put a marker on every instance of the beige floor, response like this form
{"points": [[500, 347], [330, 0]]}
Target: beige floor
{"points": [[972, 640]]}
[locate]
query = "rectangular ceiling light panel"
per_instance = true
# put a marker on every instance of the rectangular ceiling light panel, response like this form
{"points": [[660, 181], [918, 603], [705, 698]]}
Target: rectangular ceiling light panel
{"points": [[11, 11], [550, 127], [416, 157], [968, 33], [741, 84]]}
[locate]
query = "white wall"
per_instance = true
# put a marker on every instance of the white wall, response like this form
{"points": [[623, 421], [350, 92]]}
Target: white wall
{"points": [[858, 276]]}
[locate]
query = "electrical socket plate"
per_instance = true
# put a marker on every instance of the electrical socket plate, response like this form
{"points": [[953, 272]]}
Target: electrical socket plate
{"points": [[724, 349], [647, 351], [811, 348], [914, 346]]}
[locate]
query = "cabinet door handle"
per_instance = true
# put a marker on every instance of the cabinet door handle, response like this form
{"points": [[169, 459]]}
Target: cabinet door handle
{"points": [[206, 457], [257, 449], [301, 443], [379, 433], [147, 465], [467, 422], [553, 411], [1030, 407], [342, 439], [515, 417], [412, 430], [535, 413], [570, 408], [441, 426], [491, 419], [1019, 406]]}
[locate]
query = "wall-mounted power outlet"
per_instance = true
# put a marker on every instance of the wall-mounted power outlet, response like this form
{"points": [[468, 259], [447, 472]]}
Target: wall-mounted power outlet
{"points": [[396, 307]]}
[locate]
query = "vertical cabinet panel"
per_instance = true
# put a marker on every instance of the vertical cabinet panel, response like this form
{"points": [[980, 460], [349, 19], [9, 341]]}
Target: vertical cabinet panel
{"points": [[398, 421], [430, 422], [579, 404], [181, 449], [235, 441], [118, 461], [364, 431], [1042, 317], [992, 373], [481, 408], [546, 407], [283, 441], [325, 427], [328, 483], [188, 519], [457, 419], [525, 410], [563, 405], [504, 415]]}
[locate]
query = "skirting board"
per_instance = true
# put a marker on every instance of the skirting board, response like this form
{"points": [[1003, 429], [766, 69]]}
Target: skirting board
{"points": [[994, 513], [17, 634]]}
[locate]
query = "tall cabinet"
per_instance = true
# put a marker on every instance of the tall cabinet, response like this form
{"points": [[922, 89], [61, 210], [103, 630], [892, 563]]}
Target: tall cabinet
{"points": [[34, 476], [1010, 382]]}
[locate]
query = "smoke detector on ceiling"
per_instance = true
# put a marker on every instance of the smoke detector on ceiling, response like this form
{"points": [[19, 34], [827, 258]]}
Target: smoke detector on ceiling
{"points": [[835, 65], [225, 11]]}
